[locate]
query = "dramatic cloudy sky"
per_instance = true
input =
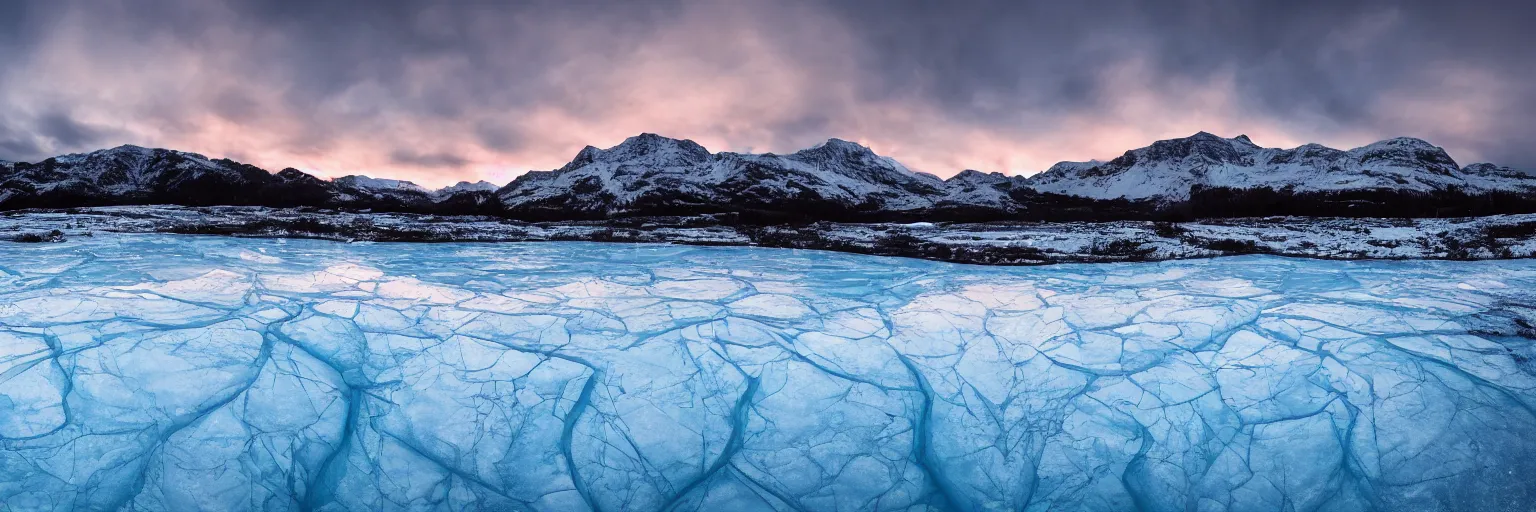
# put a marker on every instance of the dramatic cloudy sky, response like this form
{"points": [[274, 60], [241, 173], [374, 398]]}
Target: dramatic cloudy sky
{"points": [[438, 91]]}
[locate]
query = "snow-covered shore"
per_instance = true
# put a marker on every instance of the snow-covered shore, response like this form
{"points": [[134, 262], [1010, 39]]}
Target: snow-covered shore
{"points": [[1493, 237]]}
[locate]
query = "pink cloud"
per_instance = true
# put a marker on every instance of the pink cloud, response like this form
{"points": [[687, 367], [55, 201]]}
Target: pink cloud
{"points": [[716, 73]]}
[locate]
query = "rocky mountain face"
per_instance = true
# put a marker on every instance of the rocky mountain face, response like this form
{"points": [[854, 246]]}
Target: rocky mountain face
{"points": [[647, 175], [1202, 175], [650, 174], [1171, 170], [128, 172], [135, 175]]}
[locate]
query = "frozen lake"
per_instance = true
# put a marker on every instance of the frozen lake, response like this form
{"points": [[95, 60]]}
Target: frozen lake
{"points": [[174, 373]]}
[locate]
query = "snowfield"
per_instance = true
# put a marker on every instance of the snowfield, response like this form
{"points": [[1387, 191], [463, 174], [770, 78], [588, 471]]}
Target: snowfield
{"points": [[1493, 237]]}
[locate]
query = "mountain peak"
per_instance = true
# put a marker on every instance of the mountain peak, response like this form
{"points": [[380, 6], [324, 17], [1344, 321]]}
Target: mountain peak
{"points": [[1172, 169], [975, 177], [586, 156], [835, 148], [972, 174], [1203, 145], [364, 182], [1400, 143], [650, 142], [840, 143], [1406, 142], [134, 152], [1205, 136], [465, 186], [125, 150], [650, 174], [647, 148], [837, 144]]}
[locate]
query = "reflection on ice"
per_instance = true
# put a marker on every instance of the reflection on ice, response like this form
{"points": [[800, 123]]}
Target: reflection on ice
{"points": [[188, 373]]}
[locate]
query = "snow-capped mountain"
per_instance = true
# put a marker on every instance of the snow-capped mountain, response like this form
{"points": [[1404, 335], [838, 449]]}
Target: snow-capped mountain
{"points": [[972, 188], [651, 173], [1199, 176], [361, 189], [131, 173], [401, 191], [380, 184], [136, 175], [1491, 178], [1169, 170], [465, 186]]}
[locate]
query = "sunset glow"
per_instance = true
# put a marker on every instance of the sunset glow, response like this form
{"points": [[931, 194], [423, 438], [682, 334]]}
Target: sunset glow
{"points": [[437, 94]]}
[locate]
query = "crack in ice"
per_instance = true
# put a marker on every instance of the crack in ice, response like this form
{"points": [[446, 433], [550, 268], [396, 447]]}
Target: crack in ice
{"points": [[162, 373]]}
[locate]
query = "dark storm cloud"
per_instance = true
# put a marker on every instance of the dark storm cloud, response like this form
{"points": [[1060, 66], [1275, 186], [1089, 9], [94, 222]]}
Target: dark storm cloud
{"points": [[481, 88], [52, 129], [1328, 58], [66, 131], [408, 157], [498, 136], [14, 142], [19, 22]]}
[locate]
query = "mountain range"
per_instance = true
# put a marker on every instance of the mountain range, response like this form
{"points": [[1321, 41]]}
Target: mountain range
{"points": [[1202, 175]]}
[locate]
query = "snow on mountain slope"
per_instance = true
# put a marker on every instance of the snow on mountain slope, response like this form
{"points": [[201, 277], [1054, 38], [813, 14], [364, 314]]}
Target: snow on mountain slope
{"points": [[380, 184], [128, 172], [128, 168], [355, 188], [854, 169], [136, 175], [837, 180], [6, 168], [1169, 169], [650, 171], [1488, 178], [976, 188], [465, 186]]}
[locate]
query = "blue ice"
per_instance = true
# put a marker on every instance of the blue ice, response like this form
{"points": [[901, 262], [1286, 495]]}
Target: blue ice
{"points": [[178, 373]]}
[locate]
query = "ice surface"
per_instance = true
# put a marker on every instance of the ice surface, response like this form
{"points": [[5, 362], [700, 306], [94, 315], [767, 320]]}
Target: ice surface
{"points": [[174, 373]]}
